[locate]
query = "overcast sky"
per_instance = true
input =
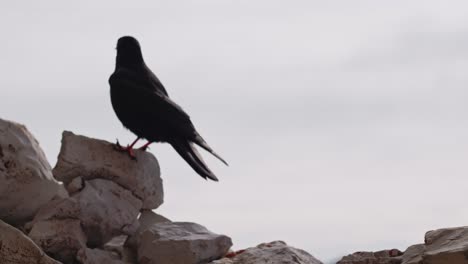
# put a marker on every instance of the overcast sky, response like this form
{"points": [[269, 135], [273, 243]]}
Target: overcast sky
{"points": [[345, 123]]}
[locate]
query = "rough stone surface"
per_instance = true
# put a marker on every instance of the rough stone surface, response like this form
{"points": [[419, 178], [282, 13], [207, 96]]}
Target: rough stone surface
{"points": [[75, 185], [93, 219], [91, 158], [392, 256], [276, 252], [448, 245], [180, 243], [413, 254], [98, 256], [107, 210], [115, 244], [26, 181], [147, 218], [61, 239], [230, 261], [127, 255], [104, 209], [17, 248], [57, 208]]}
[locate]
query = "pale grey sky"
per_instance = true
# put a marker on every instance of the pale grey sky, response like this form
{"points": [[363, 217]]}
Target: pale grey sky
{"points": [[345, 122]]}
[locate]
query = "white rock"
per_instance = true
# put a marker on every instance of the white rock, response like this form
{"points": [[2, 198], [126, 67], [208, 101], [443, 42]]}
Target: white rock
{"points": [[98, 256], [276, 252], [17, 248], [146, 219], [413, 254], [127, 255], [106, 210], [448, 245], [75, 185], [26, 181], [180, 243], [390, 256], [226, 261], [116, 244], [57, 208], [61, 239], [90, 158]]}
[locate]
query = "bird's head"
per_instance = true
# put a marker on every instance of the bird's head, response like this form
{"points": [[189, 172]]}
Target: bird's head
{"points": [[129, 52]]}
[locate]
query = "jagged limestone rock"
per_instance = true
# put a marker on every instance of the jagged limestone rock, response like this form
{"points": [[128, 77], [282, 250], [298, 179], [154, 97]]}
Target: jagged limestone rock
{"points": [[276, 252], [146, 219], [447, 245], [180, 243], [107, 210], [60, 238], [26, 181], [15, 248], [413, 254], [91, 158]]}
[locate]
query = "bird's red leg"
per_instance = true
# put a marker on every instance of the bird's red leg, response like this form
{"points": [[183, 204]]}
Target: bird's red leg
{"points": [[129, 148], [144, 147]]}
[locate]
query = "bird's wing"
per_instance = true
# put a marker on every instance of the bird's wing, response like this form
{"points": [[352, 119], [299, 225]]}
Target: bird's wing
{"points": [[156, 83], [156, 103], [153, 102], [176, 116]]}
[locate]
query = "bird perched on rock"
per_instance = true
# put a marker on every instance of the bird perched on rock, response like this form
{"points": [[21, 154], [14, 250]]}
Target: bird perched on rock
{"points": [[143, 106]]}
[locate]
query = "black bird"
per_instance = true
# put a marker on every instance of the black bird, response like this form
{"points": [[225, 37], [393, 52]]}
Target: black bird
{"points": [[143, 106]]}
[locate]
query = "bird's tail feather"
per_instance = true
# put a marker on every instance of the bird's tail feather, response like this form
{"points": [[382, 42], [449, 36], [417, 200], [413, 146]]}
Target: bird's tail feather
{"points": [[202, 143], [190, 154]]}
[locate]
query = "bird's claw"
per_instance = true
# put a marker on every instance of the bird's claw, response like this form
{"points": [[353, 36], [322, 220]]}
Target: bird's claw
{"points": [[144, 148], [127, 149], [117, 146]]}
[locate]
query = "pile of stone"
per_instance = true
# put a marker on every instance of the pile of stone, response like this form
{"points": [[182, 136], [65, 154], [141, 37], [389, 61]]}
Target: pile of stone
{"points": [[273, 252], [96, 206], [391, 256], [442, 246]]}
